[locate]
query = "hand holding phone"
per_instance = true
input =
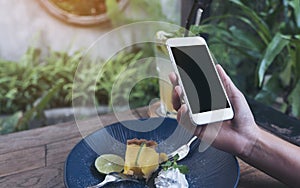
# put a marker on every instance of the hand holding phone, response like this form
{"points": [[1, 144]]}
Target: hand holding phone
{"points": [[203, 91]]}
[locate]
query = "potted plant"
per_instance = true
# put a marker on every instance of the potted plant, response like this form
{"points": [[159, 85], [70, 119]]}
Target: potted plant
{"points": [[259, 44]]}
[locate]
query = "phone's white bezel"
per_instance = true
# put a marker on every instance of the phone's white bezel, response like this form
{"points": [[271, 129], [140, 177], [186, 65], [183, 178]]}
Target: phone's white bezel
{"points": [[203, 117]]}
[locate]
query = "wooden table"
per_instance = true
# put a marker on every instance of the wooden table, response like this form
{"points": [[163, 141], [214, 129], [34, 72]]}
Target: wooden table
{"points": [[35, 158]]}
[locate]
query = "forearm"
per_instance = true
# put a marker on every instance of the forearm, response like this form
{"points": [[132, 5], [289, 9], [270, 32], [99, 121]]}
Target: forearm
{"points": [[276, 157]]}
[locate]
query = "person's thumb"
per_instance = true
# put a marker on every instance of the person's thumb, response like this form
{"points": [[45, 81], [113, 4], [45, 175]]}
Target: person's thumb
{"points": [[227, 83]]}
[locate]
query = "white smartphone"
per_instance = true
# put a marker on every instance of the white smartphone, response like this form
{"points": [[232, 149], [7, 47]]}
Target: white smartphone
{"points": [[203, 91]]}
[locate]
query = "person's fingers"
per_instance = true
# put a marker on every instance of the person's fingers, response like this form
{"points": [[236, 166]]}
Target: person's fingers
{"points": [[176, 91], [235, 95], [207, 133], [173, 78], [176, 98], [181, 113], [200, 131], [228, 84], [184, 119], [242, 112]]}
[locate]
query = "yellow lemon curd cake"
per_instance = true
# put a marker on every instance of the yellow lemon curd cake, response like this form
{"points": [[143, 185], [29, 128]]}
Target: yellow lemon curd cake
{"points": [[141, 158]]}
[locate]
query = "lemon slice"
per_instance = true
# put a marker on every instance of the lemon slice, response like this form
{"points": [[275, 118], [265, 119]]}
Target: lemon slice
{"points": [[107, 163]]}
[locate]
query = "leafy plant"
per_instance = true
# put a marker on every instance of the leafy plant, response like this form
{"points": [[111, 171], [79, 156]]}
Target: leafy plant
{"points": [[119, 72], [34, 84], [37, 83], [261, 41], [25, 82]]}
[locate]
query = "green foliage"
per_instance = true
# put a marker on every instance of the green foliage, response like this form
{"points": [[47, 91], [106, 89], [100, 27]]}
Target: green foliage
{"points": [[295, 99], [259, 44], [143, 92], [37, 83], [143, 10], [135, 82], [7, 124], [25, 82], [34, 84], [38, 107]]}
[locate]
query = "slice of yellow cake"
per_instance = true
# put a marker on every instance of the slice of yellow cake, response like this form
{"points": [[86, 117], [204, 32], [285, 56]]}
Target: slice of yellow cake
{"points": [[141, 158]]}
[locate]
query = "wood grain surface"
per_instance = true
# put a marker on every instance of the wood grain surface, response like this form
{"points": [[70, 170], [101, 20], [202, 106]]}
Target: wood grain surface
{"points": [[35, 158]]}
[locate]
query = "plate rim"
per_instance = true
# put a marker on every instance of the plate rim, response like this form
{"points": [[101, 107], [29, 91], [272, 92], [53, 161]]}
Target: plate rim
{"points": [[237, 179]]}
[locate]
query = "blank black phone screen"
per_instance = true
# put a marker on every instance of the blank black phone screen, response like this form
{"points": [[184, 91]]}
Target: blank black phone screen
{"points": [[199, 78]]}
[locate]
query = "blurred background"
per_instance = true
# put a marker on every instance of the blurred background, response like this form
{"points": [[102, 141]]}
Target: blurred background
{"points": [[43, 42]]}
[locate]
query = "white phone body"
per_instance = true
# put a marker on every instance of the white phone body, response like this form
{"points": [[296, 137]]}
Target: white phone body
{"points": [[203, 91]]}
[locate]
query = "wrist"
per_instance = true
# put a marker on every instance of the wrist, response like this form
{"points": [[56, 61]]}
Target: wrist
{"points": [[250, 142]]}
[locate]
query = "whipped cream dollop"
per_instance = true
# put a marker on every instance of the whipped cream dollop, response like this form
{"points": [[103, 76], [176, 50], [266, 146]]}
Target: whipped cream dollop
{"points": [[171, 178]]}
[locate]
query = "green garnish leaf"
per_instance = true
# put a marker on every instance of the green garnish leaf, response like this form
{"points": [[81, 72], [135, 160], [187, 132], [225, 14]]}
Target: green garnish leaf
{"points": [[176, 157], [183, 169], [167, 165], [173, 164]]}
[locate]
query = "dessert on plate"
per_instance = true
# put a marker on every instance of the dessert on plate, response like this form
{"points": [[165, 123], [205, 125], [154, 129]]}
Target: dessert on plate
{"points": [[141, 158]]}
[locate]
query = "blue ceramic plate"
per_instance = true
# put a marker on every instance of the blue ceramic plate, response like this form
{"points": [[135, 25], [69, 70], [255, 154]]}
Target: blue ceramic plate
{"points": [[211, 168]]}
